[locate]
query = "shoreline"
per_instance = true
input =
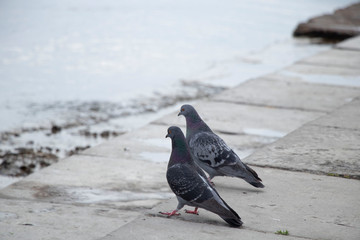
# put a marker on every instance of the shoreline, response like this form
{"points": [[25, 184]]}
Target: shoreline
{"points": [[93, 122], [116, 189]]}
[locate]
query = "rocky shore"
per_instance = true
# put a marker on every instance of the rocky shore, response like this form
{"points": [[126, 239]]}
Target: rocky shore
{"points": [[27, 150]]}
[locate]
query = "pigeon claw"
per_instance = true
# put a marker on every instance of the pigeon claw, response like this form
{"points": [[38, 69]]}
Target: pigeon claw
{"points": [[196, 212], [169, 214]]}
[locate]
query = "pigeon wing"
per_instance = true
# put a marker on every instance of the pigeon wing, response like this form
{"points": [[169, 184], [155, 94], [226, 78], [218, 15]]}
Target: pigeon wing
{"points": [[212, 150], [186, 183]]}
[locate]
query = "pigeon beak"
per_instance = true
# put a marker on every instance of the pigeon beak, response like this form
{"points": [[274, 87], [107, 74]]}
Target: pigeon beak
{"points": [[180, 113], [167, 135]]}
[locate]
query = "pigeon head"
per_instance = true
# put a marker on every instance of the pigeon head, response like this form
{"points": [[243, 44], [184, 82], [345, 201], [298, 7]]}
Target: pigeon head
{"points": [[189, 113], [174, 132], [187, 110], [180, 151], [193, 120]]}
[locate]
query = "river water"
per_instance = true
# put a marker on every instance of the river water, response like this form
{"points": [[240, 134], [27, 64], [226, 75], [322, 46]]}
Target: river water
{"points": [[75, 73]]}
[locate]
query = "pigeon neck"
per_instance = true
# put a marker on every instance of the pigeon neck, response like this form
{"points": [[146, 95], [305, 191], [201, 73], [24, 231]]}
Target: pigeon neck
{"points": [[180, 151], [194, 123]]}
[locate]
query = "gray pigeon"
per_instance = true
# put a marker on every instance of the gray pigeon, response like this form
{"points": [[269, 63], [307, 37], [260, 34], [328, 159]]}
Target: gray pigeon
{"points": [[190, 184], [211, 153]]}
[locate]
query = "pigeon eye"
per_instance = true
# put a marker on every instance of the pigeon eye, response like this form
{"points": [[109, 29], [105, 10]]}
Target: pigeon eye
{"points": [[182, 109], [169, 131]]}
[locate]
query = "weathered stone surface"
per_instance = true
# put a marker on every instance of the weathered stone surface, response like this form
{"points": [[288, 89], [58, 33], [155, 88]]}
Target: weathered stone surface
{"points": [[21, 219], [335, 57], [350, 44], [288, 92], [246, 119], [344, 23], [328, 145], [308, 69], [154, 228], [346, 117], [329, 75], [147, 143], [81, 179], [297, 202]]}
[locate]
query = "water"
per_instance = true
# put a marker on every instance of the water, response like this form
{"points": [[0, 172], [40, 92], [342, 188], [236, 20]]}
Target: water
{"points": [[93, 67]]}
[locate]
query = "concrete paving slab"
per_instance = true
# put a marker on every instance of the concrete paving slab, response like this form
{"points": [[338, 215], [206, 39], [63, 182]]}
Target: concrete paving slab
{"points": [[317, 70], [350, 44], [338, 76], [335, 57], [289, 92], [21, 219], [293, 201], [121, 183], [245, 119], [314, 149], [345, 117], [147, 143], [328, 145], [148, 228]]}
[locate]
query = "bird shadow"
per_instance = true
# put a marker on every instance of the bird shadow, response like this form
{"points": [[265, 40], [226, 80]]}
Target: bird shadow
{"points": [[191, 218]]}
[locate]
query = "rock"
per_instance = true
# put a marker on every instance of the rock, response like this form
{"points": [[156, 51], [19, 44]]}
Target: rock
{"points": [[55, 129], [24, 161], [105, 134], [343, 23]]}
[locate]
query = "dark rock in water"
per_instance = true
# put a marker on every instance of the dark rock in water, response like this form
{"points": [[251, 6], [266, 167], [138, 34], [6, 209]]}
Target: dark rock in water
{"points": [[24, 161], [77, 150], [343, 23], [85, 133], [49, 149], [55, 129], [105, 134], [22, 150]]}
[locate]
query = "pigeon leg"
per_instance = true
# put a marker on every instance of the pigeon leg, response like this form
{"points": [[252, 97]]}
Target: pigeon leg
{"points": [[193, 212], [169, 214]]}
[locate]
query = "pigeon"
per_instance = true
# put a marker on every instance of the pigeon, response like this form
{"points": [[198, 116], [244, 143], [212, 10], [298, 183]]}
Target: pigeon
{"points": [[211, 153], [190, 184]]}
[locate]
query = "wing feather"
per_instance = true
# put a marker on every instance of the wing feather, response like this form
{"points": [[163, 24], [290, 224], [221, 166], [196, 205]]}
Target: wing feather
{"points": [[186, 183], [212, 150]]}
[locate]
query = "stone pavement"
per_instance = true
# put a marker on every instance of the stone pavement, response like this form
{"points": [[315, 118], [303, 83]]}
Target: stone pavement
{"points": [[299, 128]]}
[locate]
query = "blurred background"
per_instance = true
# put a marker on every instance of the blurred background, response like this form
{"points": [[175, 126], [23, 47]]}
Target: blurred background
{"points": [[76, 73]]}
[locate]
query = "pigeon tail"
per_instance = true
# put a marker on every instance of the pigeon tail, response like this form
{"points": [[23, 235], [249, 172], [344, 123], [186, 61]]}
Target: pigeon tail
{"points": [[239, 171], [234, 222], [252, 172], [257, 183]]}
